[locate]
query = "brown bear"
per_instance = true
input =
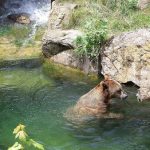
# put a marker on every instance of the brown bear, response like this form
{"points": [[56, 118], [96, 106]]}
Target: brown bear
{"points": [[96, 102]]}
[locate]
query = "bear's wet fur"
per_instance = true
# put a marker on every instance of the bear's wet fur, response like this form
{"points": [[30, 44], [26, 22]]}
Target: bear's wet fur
{"points": [[96, 102]]}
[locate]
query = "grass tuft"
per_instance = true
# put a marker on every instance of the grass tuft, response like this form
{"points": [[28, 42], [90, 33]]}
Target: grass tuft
{"points": [[121, 15]]}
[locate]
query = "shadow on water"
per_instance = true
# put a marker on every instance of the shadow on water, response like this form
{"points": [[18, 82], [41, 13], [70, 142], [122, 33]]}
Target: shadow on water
{"points": [[21, 63], [28, 96]]}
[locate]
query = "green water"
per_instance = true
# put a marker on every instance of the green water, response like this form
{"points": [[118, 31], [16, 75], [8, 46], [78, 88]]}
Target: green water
{"points": [[29, 97]]}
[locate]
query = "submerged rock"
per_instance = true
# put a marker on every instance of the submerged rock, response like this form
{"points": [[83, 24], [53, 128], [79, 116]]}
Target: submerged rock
{"points": [[22, 18], [127, 58]]}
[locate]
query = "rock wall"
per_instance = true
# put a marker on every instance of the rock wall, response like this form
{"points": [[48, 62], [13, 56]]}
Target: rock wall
{"points": [[127, 58], [56, 39], [69, 58]]}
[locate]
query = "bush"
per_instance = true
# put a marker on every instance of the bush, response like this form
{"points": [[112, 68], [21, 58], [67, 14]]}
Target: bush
{"points": [[95, 34]]}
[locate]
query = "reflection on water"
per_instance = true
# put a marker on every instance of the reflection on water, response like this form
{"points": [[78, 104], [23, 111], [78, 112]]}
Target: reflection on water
{"points": [[29, 97]]}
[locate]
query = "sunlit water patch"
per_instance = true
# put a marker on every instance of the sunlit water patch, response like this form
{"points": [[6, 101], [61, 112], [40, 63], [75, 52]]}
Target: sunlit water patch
{"points": [[29, 97]]}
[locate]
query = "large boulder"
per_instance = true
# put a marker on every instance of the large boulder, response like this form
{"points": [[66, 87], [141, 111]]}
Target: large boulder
{"points": [[60, 14], [56, 39], [127, 58], [22, 18], [143, 93]]}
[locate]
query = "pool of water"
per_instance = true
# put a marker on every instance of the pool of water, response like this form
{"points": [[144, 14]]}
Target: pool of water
{"points": [[29, 97]]}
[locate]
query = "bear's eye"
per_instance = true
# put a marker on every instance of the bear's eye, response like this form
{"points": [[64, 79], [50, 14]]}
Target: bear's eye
{"points": [[119, 91]]}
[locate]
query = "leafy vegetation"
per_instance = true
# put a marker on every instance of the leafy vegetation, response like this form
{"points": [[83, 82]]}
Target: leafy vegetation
{"points": [[24, 140], [120, 15], [95, 35]]}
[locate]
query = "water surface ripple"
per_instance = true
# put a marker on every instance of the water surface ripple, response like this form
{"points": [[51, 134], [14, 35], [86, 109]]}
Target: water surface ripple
{"points": [[29, 97]]}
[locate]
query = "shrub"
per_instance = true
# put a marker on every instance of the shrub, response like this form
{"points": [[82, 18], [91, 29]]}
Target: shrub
{"points": [[95, 34]]}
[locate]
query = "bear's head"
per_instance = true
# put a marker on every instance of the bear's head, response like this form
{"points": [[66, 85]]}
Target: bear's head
{"points": [[113, 89]]}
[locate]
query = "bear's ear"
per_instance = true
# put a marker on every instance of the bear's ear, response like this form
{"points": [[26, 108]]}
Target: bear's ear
{"points": [[106, 77], [105, 86]]}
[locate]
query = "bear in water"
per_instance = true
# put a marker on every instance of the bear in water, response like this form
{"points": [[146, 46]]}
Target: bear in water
{"points": [[96, 103]]}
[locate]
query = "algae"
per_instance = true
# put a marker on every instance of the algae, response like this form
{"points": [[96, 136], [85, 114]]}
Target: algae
{"points": [[59, 71]]}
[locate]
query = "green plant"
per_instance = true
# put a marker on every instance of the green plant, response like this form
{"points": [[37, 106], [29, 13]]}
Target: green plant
{"points": [[124, 6], [127, 6], [23, 140], [122, 15], [95, 35]]}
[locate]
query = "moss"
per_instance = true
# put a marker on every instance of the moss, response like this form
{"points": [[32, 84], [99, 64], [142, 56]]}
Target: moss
{"points": [[59, 71], [39, 33], [77, 18], [18, 33], [8, 50]]}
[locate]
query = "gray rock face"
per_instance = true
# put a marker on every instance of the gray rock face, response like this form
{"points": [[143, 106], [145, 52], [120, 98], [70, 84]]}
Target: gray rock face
{"points": [[127, 58], [143, 94], [60, 14], [56, 39]]}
